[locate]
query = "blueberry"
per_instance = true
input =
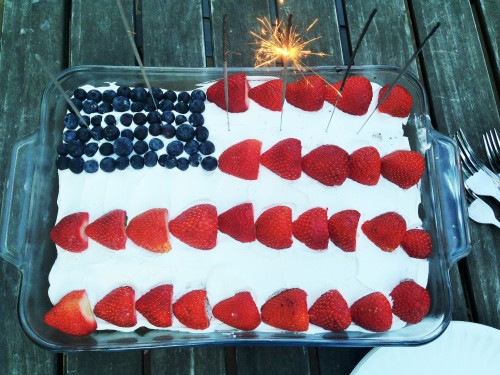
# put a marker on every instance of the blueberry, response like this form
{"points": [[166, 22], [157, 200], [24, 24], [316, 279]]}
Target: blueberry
{"points": [[69, 135], [140, 132], [194, 160], [201, 133], [137, 161], [108, 164], [197, 106], [168, 131], [207, 147], [126, 119], [91, 166], [170, 95], [162, 160], [94, 95], [76, 148], [166, 105], [71, 121], [191, 147], [123, 91], [123, 146], [110, 120], [150, 104], [171, 162], [184, 97], [150, 159], [155, 144], [108, 96], [168, 117], [62, 162], [155, 129], [181, 107], [140, 118], [157, 93], [121, 104], [196, 119], [96, 120], [122, 163], [140, 147], [80, 94], [91, 149], [76, 165], [97, 133], [106, 149], [198, 94], [175, 148], [85, 123], [111, 132], [62, 149], [138, 94], [89, 106], [77, 103], [182, 163], [153, 116], [180, 119], [184, 132], [137, 106], [83, 134], [127, 133], [104, 108], [209, 163]]}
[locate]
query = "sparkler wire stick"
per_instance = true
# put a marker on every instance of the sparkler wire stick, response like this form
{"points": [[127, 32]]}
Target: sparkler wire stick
{"points": [[224, 58], [405, 68], [285, 65]]}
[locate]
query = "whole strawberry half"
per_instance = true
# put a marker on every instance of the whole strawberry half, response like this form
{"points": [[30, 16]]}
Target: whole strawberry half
{"points": [[398, 103], [238, 222], [118, 307], [191, 309], [149, 230], [417, 243], [197, 226], [356, 95], [273, 228], [239, 311], [242, 159], [287, 310], [410, 301], [284, 159], [372, 312], [69, 232], [268, 95], [386, 230], [311, 228], [72, 315], [342, 228], [307, 93], [327, 164], [237, 88], [364, 166], [403, 168], [156, 306], [109, 230], [330, 311]]}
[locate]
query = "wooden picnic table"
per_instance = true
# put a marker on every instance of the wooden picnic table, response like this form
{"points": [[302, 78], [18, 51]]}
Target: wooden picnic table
{"points": [[459, 69]]}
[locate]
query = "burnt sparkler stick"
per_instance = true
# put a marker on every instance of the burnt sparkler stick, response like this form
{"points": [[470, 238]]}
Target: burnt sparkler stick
{"points": [[285, 65], [224, 59], [405, 68], [351, 62]]}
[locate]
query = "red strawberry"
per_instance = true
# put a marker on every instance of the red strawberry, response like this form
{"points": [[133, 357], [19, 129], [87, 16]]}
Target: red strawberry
{"points": [[149, 230], [364, 166], [372, 312], [118, 307], [342, 228], [72, 314], [327, 164], [191, 309], [237, 88], [287, 310], [109, 230], [403, 168], [410, 301], [307, 93], [197, 226], [239, 311], [156, 306], [238, 222], [330, 311], [284, 159], [69, 232], [311, 228], [242, 159], [356, 95], [398, 103], [273, 228], [417, 243], [386, 230], [268, 94]]}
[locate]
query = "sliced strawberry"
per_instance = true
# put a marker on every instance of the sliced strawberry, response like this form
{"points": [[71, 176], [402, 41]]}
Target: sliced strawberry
{"points": [[118, 307], [330, 311], [342, 228], [287, 310], [356, 95], [410, 301], [72, 315], [403, 168], [197, 226], [156, 306], [237, 88], [364, 166], [239, 311], [149, 230], [268, 94], [284, 159], [372, 312], [327, 164], [242, 159], [398, 103], [307, 93], [109, 230], [311, 228], [69, 232], [386, 230], [238, 222], [417, 243], [191, 309], [273, 228]]}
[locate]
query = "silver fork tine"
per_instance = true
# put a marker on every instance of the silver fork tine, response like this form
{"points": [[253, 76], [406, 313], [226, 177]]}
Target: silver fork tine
{"points": [[492, 145], [470, 195], [466, 153]]}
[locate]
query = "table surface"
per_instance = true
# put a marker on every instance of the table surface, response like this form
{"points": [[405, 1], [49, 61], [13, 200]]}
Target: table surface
{"points": [[459, 69]]}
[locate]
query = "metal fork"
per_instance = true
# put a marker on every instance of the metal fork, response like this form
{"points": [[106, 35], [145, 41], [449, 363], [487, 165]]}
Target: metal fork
{"points": [[479, 210], [492, 145]]}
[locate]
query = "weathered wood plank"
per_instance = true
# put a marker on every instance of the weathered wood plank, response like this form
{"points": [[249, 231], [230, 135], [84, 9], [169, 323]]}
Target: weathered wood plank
{"points": [[96, 363], [197, 361], [490, 13], [340, 360], [275, 360]]}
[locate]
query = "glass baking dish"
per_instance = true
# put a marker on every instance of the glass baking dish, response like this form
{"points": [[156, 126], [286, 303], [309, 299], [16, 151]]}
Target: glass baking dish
{"points": [[30, 208]]}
